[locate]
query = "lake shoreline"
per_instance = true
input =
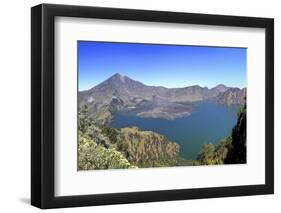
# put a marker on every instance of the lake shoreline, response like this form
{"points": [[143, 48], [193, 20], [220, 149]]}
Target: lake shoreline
{"points": [[208, 123]]}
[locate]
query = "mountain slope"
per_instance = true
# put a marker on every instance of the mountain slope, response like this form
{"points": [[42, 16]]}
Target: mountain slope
{"points": [[120, 93]]}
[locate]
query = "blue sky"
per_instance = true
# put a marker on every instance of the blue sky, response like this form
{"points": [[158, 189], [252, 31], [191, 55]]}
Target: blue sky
{"points": [[161, 65]]}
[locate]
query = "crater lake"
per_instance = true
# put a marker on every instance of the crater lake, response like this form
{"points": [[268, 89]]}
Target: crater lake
{"points": [[208, 123]]}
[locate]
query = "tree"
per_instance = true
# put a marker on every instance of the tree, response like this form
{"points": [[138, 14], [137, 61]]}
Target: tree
{"points": [[111, 133], [83, 121], [222, 150], [206, 154]]}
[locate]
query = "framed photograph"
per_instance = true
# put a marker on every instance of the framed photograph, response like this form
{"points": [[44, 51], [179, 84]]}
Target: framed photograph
{"points": [[139, 106]]}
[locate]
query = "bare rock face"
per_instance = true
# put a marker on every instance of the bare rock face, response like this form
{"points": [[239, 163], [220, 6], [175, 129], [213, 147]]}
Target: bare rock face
{"points": [[232, 96], [120, 93]]}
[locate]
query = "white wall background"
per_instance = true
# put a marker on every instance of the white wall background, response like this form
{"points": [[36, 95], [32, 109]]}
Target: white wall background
{"points": [[15, 105]]}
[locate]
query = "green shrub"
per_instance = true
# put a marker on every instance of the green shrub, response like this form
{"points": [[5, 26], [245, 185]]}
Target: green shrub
{"points": [[93, 156]]}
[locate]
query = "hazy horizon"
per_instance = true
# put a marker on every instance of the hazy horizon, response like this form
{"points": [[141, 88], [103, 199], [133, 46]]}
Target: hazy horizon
{"points": [[170, 66]]}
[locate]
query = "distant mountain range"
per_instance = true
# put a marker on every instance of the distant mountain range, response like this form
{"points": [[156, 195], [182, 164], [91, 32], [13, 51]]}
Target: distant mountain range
{"points": [[121, 93]]}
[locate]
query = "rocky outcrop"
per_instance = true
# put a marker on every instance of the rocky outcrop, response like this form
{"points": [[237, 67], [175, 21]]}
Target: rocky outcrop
{"points": [[232, 96], [149, 149]]}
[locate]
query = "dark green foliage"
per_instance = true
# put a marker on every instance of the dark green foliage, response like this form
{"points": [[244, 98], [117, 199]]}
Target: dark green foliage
{"points": [[123, 147], [237, 150], [83, 121], [110, 132], [221, 151]]}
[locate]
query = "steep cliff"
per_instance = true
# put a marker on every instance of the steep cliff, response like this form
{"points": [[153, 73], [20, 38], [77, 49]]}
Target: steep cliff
{"points": [[238, 147], [149, 149]]}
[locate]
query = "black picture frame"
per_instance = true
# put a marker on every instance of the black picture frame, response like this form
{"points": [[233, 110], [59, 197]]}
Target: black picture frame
{"points": [[43, 111]]}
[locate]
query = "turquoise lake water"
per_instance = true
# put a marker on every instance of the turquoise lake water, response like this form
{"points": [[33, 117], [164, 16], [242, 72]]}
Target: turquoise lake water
{"points": [[208, 123]]}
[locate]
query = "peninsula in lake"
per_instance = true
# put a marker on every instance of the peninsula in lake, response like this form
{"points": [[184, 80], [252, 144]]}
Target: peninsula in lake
{"points": [[122, 94]]}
